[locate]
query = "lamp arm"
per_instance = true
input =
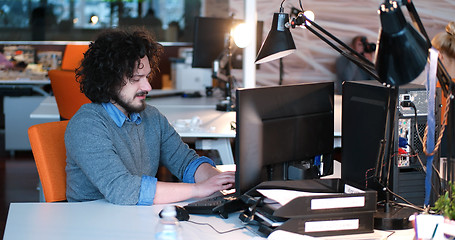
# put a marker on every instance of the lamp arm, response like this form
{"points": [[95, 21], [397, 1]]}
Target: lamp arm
{"points": [[351, 54], [416, 20], [331, 36], [355, 60]]}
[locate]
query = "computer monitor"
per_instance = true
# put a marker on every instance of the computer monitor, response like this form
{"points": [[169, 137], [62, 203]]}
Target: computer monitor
{"points": [[283, 132], [364, 118], [210, 37]]}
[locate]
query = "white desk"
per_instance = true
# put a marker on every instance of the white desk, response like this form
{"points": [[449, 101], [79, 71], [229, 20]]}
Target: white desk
{"points": [[214, 128], [101, 220], [214, 123], [47, 109]]}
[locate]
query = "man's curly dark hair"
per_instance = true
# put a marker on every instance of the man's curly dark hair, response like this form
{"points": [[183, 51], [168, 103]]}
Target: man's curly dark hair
{"points": [[113, 56]]}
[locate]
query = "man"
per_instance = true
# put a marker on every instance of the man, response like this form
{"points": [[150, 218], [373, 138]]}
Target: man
{"points": [[349, 71], [116, 143]]}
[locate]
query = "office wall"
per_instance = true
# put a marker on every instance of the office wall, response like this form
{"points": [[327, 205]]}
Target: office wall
{"points": [[314, 59]]}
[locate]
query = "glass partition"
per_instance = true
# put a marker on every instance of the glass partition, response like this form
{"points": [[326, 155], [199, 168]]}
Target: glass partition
{"points": [[80, 20]]}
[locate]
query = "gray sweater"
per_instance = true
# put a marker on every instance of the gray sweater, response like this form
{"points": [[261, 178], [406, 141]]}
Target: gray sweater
{"points": [[108, 162]]}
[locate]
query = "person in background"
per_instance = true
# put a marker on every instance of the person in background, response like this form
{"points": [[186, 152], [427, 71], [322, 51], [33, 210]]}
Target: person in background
{"points": [[349, 71], [444, 42], [116, 143]]}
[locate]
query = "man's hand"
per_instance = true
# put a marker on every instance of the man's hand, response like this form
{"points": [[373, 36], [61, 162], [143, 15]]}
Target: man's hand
{"points": [[208, 181], [221, 181]]}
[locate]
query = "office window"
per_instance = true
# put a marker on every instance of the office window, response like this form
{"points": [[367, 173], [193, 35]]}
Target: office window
{"points": [[80, 20]]}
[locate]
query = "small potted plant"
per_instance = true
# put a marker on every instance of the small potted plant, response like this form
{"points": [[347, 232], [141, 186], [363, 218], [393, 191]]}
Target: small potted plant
{"points": [[445, 205]]}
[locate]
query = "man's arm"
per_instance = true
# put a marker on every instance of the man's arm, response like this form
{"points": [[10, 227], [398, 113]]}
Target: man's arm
{"points": [[204, 172], [208, 180]]}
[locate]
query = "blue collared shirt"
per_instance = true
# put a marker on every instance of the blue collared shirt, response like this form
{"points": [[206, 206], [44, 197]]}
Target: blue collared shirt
{"points": [[119, 117], [148, 183]]}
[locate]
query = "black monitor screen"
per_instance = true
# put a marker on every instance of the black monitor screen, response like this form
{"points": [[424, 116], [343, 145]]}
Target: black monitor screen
{"points": [[210, 37], [283, 132], [365, 107]]}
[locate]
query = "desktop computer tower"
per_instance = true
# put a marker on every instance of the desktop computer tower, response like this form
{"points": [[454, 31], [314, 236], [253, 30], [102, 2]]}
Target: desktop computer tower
{"points": [[366, 136], [408, 175]]}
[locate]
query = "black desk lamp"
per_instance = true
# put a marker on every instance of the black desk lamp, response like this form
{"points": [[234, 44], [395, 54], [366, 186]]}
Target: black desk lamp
{"points": [[279, 42], [390, 56], [402, 51], [401, 56]]}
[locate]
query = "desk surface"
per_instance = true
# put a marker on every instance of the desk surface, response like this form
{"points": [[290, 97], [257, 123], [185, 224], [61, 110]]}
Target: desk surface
{"points": [[179, 111], [101, 220], [182, 111], [23, 78], [166, 104], [179, 101], [25, 81]]}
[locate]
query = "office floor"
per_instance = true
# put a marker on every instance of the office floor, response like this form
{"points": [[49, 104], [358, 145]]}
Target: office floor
{"points": [[18, 179]]}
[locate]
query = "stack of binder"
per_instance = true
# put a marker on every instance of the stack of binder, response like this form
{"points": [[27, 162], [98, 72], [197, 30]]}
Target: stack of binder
{"points": [[320, 207]]}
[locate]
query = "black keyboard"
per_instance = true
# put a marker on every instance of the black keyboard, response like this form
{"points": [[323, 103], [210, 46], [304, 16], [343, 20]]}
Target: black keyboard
{"points": [[206, 205], [220, 204]]}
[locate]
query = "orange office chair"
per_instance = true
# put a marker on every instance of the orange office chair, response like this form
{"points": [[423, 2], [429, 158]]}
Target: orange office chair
{"points": [[73, 55], [67, 93], [48, 147]]}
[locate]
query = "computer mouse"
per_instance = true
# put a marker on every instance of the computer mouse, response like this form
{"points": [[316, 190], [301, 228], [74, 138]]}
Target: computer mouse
{"points": [[182, 213]]}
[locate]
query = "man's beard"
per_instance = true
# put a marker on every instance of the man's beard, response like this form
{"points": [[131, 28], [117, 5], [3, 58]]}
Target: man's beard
{"points": [[129, 107]]}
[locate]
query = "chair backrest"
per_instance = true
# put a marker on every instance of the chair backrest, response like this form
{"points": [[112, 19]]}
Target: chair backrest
{"points": [[48, 147], [67, 92], [73, 55]]}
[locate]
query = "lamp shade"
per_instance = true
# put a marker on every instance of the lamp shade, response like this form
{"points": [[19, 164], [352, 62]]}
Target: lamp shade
{"points": [[402, 52], [279, 42]]}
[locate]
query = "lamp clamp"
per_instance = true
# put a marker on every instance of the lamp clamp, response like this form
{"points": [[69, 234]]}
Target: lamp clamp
{"points": [[300, 20]]}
